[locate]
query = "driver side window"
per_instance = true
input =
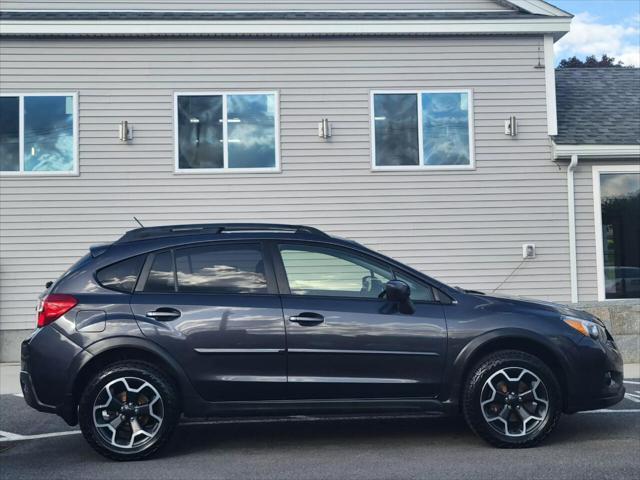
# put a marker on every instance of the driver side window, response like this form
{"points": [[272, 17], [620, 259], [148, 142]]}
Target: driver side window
{"points": [[316, 270]]}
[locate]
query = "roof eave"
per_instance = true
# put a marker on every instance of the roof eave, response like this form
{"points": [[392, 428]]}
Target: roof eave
{"points": [[565, 151], [556, 26]]}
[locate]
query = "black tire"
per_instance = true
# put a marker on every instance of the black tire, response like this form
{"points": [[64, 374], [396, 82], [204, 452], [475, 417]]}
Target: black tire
{"points": [[476, 417], [138, 370]]}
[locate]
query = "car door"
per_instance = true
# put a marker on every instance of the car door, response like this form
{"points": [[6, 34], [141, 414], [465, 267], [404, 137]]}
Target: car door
{"points": [[215, 308], [343, 341]]}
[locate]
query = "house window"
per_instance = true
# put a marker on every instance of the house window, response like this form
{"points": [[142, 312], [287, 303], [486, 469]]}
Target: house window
{"points": [[38, 134], [223, 132], [422, 130], [617, 210]]}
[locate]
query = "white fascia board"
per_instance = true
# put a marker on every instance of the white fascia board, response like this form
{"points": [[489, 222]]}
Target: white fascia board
{"points": [[539, 7], [555, 26], [597, 151], [550, 85]]}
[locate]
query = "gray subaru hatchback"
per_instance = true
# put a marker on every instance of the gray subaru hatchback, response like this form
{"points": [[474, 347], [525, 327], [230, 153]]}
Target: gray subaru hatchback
{"points": [[262, 319]]}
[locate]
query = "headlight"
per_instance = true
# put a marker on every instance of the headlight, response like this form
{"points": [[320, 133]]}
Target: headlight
{"points": [[585, 327]]}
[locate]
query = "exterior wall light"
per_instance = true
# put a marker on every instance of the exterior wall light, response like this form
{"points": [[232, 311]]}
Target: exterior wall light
{"points": [[324, 129], [511, 126], [125, 131]]}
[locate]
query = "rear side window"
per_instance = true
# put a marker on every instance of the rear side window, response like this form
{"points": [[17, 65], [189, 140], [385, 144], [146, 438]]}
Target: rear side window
{"points": [[121, 276], [221, 269], [161, 278]]}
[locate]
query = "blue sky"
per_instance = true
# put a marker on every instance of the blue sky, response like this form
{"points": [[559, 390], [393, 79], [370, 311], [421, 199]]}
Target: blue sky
{"points": [[599, 26]]}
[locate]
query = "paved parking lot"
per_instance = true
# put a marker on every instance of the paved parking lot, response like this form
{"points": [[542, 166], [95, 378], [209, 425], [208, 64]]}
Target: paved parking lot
{"points": [[603, 444]]}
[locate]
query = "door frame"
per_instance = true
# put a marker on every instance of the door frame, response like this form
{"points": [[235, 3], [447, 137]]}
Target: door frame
{"points": [[598, 170]]}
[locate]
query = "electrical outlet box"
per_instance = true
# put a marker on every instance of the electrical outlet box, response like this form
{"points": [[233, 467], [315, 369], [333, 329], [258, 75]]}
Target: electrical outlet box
{"points": [[529, 250]]}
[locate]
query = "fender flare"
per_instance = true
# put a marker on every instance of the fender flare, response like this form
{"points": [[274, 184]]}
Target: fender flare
{"points": [[125, 342], [461, 363]]}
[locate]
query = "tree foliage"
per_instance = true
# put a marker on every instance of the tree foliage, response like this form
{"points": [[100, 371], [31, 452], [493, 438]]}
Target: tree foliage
{"points": [[592, 62]]}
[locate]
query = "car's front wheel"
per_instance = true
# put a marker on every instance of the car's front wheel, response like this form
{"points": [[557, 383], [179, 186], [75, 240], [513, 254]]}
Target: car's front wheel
{"points": [[512, 399], [129, 410]]}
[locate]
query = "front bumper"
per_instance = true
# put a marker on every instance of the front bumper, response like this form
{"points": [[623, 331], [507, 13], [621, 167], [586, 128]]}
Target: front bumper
{"points": [[600, 383]]}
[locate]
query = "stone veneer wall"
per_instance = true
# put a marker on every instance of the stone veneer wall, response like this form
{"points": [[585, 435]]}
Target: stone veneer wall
{"points": [[623, 321]]}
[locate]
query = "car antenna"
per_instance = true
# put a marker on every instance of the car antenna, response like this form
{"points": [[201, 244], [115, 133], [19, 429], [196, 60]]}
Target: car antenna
{"points": [[139, 222]]}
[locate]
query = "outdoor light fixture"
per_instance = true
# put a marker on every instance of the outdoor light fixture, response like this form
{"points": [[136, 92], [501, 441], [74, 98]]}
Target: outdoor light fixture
{"points": [[324, 128], [511, 126], [125, 131]]}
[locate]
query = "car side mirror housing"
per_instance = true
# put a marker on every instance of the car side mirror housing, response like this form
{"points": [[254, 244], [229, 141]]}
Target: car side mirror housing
{"points": [[399, 292]]}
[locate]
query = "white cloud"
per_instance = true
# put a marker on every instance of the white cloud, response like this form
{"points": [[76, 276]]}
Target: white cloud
{"points": [[589, 37]]}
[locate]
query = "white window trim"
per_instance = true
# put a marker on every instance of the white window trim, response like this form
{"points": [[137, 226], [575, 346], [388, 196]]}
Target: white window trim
{"points": [[40, 173], [597, 170], [421, 167], [225, 169]]}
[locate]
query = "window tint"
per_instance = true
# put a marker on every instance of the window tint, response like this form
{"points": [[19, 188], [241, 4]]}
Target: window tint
{"points": [[48, 134], [423, 129], [121, 276], [161, 278], [315, 270], [619, 205], [419, 292], [445, 118], [251, 131], [45, 126], [219, 269], [9, 134], [396, 129], [200, 132], [248, 141]]}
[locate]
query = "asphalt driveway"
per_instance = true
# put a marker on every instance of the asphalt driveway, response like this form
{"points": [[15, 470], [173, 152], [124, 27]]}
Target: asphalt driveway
{"points": [[599, 445]]}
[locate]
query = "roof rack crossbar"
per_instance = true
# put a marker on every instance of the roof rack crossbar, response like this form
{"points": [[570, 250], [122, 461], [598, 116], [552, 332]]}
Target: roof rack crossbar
{"points": [[146, 233]]}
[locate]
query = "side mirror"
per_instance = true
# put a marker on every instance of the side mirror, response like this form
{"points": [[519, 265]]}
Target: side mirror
{"points": [[399, 292]]}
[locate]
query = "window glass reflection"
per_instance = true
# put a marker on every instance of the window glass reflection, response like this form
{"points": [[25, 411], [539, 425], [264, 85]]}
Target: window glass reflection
{"points": [[48, 134], [620, 206], [323, 271], [221, 269], [121, 276], [445, 120], [200, 132], [419, 292], [251, 131], [9, 134], [396, 129], [161, 278]]}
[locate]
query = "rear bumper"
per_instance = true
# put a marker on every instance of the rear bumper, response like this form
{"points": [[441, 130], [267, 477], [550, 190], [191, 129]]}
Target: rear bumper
{"points": [[40, 394], [30, 395]]}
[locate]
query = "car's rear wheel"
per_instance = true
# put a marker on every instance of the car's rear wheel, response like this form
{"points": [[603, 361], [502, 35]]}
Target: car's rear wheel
{"points": [[129, 410], [512, 399]]}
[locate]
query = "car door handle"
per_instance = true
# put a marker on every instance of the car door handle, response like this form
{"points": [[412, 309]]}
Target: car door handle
{"points": [[307, 319], [164, 314]]}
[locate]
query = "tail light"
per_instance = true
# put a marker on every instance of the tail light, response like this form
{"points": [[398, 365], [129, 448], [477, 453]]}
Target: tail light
{"points": [[53, 307]]}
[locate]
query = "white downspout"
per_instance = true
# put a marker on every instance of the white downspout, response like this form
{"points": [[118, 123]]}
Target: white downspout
{"points": [[573, 258]]}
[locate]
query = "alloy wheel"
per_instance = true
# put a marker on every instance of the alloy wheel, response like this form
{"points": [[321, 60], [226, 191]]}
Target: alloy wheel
{"points": [[514, 401], [128, 413]]}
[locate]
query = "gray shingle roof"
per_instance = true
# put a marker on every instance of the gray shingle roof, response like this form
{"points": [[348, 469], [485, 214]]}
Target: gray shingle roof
{"points": [[598, 106], [257, 16]]}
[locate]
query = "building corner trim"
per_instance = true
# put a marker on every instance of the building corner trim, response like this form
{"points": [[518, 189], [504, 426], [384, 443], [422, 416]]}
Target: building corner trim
{"points": [[550, 82], [573, 256]]}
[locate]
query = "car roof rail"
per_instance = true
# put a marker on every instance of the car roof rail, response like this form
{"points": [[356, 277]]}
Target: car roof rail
{"points": [[147, 233]]}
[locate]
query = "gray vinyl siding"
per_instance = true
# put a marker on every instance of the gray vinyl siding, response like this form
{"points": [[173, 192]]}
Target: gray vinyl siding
{"points": [[585, 227], [463, 227], [253, 5]]}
